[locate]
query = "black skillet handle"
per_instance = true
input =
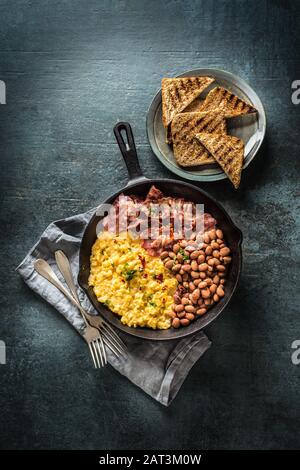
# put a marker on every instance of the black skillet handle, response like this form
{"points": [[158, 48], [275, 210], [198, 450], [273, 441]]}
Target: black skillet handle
{"points": [[128, 150]]}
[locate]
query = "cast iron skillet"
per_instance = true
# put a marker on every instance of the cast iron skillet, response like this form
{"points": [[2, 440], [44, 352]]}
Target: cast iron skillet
{"points": [[139, 185]]}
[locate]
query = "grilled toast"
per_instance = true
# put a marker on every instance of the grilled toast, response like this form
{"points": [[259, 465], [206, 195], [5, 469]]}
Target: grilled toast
{"points": [[230, 104], [178, 93], [228, 151], [187, 150]]}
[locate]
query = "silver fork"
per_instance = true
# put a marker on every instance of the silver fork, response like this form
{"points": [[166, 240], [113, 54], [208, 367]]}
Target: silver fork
{"points": [[91, 335], [110, 337]]}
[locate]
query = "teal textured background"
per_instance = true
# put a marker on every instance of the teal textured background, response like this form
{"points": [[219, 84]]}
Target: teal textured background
{"points": [[72, 70]]}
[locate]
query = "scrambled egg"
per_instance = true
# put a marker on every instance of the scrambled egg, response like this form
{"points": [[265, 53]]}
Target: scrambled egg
{"points": [[133, 284]]}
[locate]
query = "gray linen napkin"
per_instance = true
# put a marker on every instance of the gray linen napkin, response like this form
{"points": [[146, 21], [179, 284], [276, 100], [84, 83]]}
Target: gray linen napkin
{"points": [[159, 368]]}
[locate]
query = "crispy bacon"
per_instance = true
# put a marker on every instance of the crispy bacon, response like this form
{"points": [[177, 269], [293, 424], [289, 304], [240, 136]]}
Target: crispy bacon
{"points": [[143, 261], [154, 194], [156, 210]]}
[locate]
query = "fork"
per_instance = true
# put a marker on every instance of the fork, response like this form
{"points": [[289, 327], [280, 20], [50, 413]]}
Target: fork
{"points": [[109, 335], [91, 335]]}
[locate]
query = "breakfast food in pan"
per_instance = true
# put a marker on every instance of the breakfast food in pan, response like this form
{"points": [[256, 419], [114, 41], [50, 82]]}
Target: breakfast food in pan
{"points": [[164, 280], [186, 116]]}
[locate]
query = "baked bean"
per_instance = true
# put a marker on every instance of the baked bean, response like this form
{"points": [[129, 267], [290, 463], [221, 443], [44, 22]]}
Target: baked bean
{"points": [[212, 234], [208, 250], [201, 311], [192, 286], [202, 267], [177, 299], [219, 233], [216, 254], [181, 314], [185, 277], [213, 288], [225, 251], [201, 259], [179, 257], [172, 254], [205, 293], [183, 243], [176, 323], [206, 238], [216, 298], [165, 242], [215, 245], [202, 285], [195, 254], [210, 268], [208, 281], [186, 267], [216, 279], [227, 259], [181, 272], [213, 261], [195, 274], [176, 268], [220, 291], [219, 241], [220, 268], [164, 255], [222, 245], [222, 281], [185, 284], [169, 264], [194, 265], [179, 277], [196, 294], [179, 308], [197, 281], [207, 302], [176, 248], [184, 322], [189, 308], [185, 301], [190, 316], [202, 275], [190, 248]]}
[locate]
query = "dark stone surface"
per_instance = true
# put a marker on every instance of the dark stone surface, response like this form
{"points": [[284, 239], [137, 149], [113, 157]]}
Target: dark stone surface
{"points": [[72, 70]]}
